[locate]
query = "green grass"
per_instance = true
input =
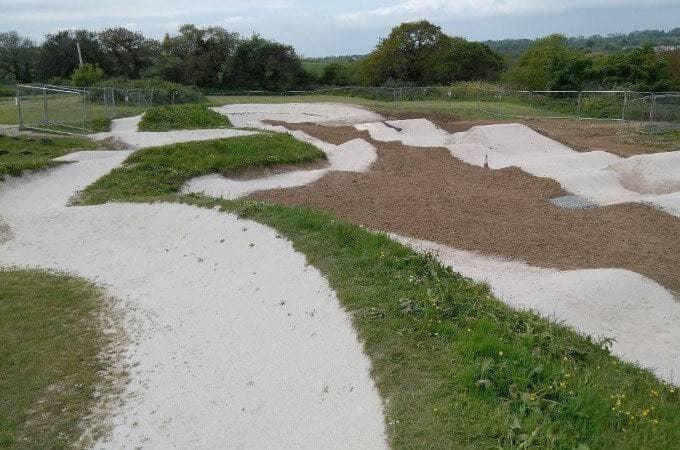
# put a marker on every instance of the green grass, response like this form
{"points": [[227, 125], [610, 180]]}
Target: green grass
{"points": [[20, 153], [51, 335], [161, 171], [456, 367], [314, 67], [182, 117]]}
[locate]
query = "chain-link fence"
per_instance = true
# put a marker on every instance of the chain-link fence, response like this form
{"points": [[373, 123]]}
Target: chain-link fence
{"points": [[654, 111], [75, 110], [66, 109]]}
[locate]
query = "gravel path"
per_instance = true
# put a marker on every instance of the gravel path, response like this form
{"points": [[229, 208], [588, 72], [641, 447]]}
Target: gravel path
{"points": [[126, 131], [236, 341], [355, 155]]}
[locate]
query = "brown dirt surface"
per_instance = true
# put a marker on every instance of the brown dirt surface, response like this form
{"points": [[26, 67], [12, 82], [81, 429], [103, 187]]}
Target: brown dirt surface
{"points": [[428, 194], [584, 136]]}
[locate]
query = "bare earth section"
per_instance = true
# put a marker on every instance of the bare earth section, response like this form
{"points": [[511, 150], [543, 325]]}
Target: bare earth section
{"points": [[427, 194], [594, 176], [235, 339]]}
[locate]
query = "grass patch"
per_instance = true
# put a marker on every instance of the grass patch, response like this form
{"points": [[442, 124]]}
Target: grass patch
{"points": [[51, 334], [20, 153], [456, 367], [182, 117], [160, 171]]}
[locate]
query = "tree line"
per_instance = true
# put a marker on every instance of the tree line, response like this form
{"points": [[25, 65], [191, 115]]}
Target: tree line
{"points": [[415, 53], [610, 43], [209, 57]]}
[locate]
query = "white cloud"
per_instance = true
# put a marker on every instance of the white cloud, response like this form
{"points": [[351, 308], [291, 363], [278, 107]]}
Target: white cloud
{"points": [[443, 10]]}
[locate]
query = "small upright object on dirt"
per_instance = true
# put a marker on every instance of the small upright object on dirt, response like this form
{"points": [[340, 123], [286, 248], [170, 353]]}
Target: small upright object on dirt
{"points": [[486, 161]]}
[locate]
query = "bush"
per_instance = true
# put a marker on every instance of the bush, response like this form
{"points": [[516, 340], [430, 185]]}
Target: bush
{"points": [[86, 75]]}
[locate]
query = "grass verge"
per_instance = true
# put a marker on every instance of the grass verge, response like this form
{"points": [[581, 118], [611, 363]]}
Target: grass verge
{"points": [[160, 171], [456, 367], [51, 333], [182, 117], [20, 153]]}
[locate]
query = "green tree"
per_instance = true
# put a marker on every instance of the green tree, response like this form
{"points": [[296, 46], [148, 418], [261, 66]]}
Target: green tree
{"points": [[420, 53], [87, 75], [404, 55], [203, 53], [550, 64], [17, 58], [127, 54], [58, 55], [262, 64], [642, 68]]}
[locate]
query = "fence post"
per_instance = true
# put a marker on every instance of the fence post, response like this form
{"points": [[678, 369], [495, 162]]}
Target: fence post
{"points": [[19, 113], [652, 112], [531, 108], [478, 89], [82, 111], [44, 105], [500, 103], [623, 109], [113, 102], [578, 106]]}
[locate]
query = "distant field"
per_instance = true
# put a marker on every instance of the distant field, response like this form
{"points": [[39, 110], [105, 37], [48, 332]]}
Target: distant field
{"points": [[313, 67]]}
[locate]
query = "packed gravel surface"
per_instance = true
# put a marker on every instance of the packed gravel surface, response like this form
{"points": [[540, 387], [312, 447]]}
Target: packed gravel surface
{"points": [[234, 338], [427, 194]]}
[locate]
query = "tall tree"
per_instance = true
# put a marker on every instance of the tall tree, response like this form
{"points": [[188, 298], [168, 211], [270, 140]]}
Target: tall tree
{"points": [[201, 52], [550, 64], [259, 63], [59, 57], [17, 58], [405, 54], [128, 54], [420, 53]]}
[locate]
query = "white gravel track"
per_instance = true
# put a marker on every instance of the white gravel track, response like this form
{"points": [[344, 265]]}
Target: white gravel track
{"points": [[640, 315], [356, 155], [253, 114], [598, 176], [126, 130], [236, 341]]}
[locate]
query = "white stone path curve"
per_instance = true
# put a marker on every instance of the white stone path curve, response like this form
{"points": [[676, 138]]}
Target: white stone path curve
{"points": [[236, 341]]}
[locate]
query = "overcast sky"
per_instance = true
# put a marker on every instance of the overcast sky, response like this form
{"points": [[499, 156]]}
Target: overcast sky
{"points": [[331, 27]]}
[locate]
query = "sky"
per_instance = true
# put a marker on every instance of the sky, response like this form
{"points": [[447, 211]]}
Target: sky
{"points": [[340, 27]]}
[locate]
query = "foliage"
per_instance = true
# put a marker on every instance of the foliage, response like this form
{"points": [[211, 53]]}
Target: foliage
{"points": [[420, 53], [128, 53], [87, 75], [196, 56], [641, 68], [263, 64], [52, 372], [549, 64], [610, 43], [17, 58], [182, 117], [58, 56]]}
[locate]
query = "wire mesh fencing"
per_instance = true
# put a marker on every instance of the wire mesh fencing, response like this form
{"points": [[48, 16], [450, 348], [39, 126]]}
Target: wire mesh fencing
{"points": [[75, 110]]}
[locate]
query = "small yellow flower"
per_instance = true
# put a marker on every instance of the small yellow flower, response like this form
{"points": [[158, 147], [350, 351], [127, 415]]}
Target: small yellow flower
{"points": [[500, 353]]}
